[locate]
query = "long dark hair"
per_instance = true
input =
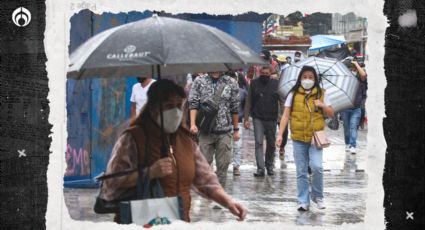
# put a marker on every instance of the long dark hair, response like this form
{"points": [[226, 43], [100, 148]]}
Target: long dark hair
{"points": [[162, 90], [298, 83]]}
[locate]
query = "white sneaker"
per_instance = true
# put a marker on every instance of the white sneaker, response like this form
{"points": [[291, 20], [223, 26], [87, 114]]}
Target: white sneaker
{"points": [[319, 203], [347, 148], [353, 150]]}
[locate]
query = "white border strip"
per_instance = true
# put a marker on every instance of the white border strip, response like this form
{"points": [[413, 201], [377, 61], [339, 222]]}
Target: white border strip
{"points": [[56, 43]]}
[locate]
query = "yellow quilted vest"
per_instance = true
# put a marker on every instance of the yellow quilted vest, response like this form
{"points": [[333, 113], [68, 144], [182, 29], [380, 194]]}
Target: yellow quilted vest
{"points": [[301, 126]]}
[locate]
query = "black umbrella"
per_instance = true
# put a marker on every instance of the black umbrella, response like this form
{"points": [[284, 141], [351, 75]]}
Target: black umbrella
{"points": [[163, 45], [172, 45], [337, 53]]}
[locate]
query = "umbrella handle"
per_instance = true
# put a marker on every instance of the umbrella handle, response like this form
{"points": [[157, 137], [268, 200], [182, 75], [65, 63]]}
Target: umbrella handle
{"points": [[163, 149]]}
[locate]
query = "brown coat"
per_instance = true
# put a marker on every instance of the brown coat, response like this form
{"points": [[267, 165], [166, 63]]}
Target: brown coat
{"points": [[183, 170], [191, 166]]}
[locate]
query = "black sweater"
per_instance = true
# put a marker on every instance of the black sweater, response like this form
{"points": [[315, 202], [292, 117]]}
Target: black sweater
{"points": [[263, 100]]}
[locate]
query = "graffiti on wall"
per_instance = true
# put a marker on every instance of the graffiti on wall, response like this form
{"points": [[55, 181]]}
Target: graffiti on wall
{"points": [[77, 161], [111, 112]]}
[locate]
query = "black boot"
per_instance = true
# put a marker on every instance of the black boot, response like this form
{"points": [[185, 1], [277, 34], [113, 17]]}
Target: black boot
{"points": [[270, 172], [259, 173]]}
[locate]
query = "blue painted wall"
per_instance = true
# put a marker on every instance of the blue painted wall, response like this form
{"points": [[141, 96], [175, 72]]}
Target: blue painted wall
{"points": [[78, 108], [99, 109]]}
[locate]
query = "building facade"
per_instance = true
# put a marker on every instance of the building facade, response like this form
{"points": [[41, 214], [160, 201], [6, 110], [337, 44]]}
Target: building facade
{"points": [[354, 29]]}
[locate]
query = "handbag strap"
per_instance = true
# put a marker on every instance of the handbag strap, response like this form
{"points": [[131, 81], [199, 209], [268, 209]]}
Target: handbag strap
{"points": [[309, 108], [217, 94], [104, 176]]}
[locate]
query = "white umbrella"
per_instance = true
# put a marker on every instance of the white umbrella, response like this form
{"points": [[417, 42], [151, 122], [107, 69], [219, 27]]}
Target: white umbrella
{"points": [[338, 81]]}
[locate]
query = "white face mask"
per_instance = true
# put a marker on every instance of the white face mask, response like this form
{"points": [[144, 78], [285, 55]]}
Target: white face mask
{"points": [[307, 84], [172, 119]]}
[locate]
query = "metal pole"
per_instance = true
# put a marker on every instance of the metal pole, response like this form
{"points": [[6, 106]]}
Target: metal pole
{"points": [[164, 149]]}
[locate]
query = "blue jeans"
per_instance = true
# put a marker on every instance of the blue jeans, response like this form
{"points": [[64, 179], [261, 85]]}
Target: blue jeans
{"points": [[351, 120], [306, 154]]}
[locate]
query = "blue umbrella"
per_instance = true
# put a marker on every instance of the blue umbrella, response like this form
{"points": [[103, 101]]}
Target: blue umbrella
{"points": [[325, 41]]}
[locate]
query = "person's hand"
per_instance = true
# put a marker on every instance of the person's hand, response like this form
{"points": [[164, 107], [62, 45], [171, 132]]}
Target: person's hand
{"points": [[246, 124], [237, 210], [318, 103], [194, 129], [356, 64], [161, 168], [278, 141], [236, 136]]}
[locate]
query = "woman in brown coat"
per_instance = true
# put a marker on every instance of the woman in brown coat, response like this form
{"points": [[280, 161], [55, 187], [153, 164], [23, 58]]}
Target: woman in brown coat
{"points": [[183, 169]]}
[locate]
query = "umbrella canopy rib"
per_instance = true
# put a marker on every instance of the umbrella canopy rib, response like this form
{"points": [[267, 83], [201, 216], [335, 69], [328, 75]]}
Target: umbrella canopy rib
{"points": [[323, 73], [318, 69], [336, 86], [161, 38], [338, 81]]}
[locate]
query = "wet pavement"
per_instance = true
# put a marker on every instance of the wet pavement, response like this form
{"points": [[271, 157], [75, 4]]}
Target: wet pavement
{"points": [[273, 198]]}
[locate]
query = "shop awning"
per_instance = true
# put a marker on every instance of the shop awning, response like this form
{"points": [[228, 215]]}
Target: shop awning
{"points": [[325, 41]]}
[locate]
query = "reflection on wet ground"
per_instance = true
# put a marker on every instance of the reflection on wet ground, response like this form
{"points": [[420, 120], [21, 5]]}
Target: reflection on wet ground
{"points": [[273, 198]]}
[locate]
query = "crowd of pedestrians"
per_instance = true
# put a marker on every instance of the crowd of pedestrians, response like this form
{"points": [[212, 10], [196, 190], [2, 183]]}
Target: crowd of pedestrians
{"points": [[218, 108], [301, 113]]}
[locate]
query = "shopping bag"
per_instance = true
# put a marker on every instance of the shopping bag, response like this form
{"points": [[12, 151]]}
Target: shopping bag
{"points": [[151, 206], [149, 212]]}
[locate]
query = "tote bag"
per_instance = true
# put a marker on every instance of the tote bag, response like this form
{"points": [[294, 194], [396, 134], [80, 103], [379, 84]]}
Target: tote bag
{"points": [[151, 207]]}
